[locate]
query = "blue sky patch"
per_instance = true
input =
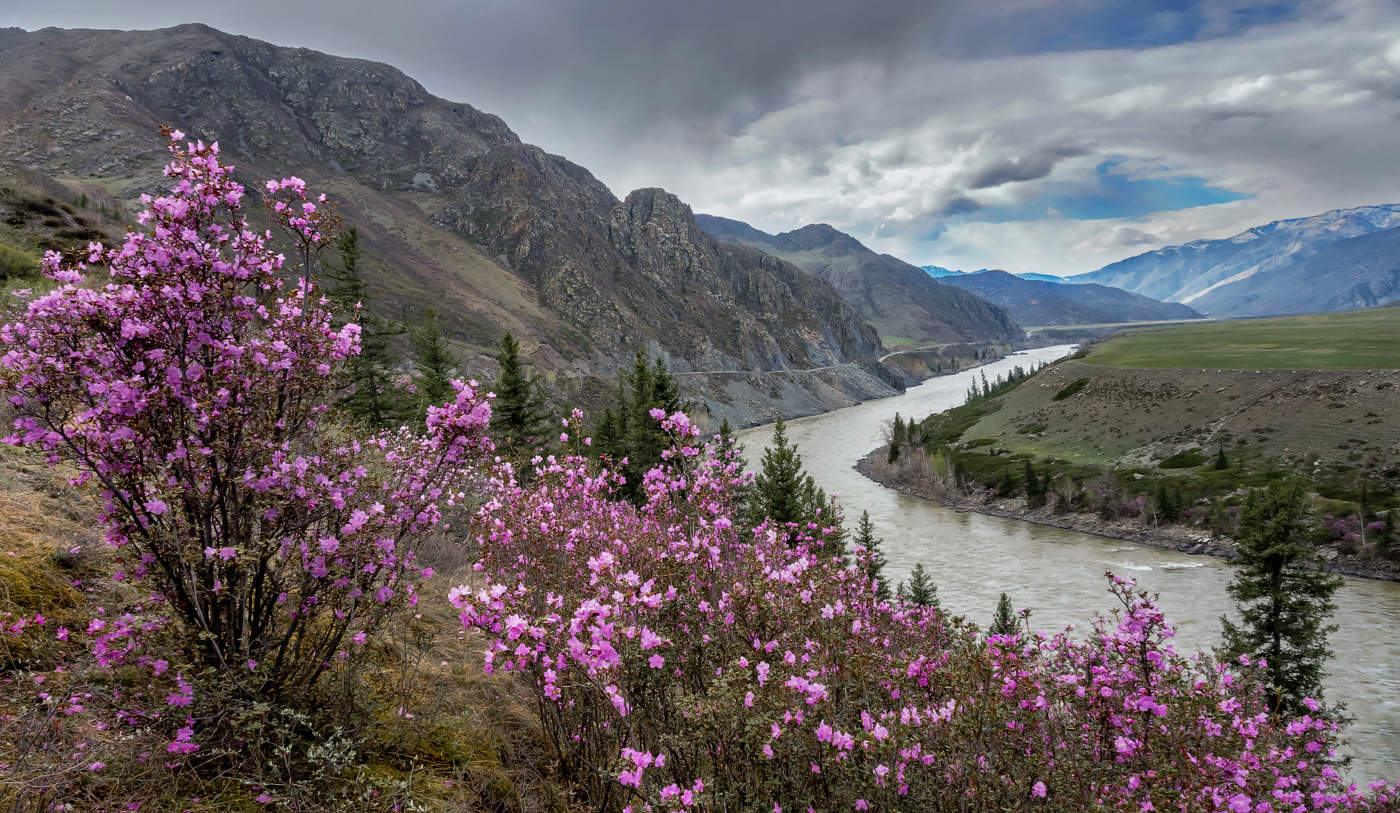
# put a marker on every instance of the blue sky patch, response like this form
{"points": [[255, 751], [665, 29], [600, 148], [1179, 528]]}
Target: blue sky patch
{"points": [[1111, 194]]}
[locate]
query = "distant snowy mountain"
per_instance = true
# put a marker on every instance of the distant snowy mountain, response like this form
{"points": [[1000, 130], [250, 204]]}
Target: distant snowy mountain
{"points": [[1339, 260]]}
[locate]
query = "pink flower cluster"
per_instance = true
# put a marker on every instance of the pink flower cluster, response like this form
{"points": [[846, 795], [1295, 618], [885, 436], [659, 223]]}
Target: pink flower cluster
{"points": [[189, 381], [682, 663]]}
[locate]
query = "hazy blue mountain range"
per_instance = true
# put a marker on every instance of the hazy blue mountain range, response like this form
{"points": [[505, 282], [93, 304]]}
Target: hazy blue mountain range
{"points": [[898, 298], [1338, 260], [455, 212], [1036, 302], [938, 272]]}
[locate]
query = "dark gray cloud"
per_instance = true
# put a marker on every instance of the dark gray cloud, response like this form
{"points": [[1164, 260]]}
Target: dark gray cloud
{"points": [[1020, 168]]}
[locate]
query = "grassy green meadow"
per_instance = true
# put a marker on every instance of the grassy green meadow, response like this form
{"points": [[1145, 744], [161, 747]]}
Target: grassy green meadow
{"points": [[1352, 340]]}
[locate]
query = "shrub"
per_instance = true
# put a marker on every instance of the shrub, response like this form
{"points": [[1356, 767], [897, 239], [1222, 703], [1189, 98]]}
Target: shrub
{"points": [[1070, 389], [682, 665], [1185, 459], [191, 389]]}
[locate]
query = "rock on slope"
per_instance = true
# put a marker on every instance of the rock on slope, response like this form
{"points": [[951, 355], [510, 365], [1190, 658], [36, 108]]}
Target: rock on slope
{"points": [[898, 298], [455, 211], [1035, 302], [1339, 260]]}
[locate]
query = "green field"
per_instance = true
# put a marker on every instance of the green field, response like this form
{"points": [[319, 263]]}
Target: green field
{"points": [[1352, 340]]}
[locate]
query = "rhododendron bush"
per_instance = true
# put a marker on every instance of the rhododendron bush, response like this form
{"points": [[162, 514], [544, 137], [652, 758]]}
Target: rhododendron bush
{"points": [[184, 377], [682, 663]]}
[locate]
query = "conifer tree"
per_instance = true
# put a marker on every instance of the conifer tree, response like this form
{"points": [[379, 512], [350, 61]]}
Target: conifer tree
{"points": [[372, 399], [875, 563], [1221, 461], [1035, 489], [518, 412], [896, 438], [781, 492], [920, 590], [435, 363], [1004, 622], [1168, 504], [1283, 596]]}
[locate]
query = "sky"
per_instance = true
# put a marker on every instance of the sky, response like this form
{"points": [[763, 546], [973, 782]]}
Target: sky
{"points": [[1049, 136]]}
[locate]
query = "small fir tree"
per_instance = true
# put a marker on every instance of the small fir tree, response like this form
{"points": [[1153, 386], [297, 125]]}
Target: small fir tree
{"points": [[875, 559], [1004, 621], [1035, 488], [372, 399], [920, 590], [1283, 596], [435, 363], [518, 412], [781, 490]]}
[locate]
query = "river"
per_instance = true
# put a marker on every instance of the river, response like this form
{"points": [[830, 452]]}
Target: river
{"points": [[1059, 573]]}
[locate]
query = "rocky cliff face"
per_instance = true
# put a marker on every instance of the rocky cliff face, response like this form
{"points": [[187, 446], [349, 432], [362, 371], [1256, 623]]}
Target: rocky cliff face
{"points": [[900, 299], [455, 211]]}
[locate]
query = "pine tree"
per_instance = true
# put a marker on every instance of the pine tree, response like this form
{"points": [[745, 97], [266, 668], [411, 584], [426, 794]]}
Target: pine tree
{"points": [[1035, 489], [518, 413], [875, 561], [371, 398], [1283, 597], [896, 438], [434, 364], [1168, 505], [1221, 461], [781, 490], [827, 514], [1004, 622], [920, 590]]}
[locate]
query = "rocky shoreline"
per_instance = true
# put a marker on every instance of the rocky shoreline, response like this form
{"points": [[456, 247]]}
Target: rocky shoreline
{"points": [[1173, 537]]}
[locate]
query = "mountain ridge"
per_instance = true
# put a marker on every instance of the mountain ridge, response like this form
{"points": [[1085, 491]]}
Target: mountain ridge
{"points": [[456, 212], [1039, 303], [1337, 260], [898, 298]]}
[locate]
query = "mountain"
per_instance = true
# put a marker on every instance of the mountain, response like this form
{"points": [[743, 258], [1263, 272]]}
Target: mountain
{"points": [[899, 299], [938, 272], [454, 211], [1034, 302], [1039, 277], [1339, 260]]}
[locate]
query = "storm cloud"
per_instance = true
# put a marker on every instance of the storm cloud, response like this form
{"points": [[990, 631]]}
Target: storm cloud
{"points": [[1033, 135]]}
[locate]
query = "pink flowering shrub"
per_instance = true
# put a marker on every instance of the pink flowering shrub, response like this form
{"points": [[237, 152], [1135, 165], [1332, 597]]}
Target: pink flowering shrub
{"points": [[188, 380], [682, 664]]}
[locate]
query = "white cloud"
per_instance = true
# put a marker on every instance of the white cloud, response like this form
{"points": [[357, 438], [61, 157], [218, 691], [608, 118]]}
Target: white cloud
{"points": [[1298, 116]]}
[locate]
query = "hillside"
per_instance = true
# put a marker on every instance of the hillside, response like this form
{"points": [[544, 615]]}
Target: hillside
{"points": [[1041, 303], [903, 302], [1340, 260], [455, 212]]}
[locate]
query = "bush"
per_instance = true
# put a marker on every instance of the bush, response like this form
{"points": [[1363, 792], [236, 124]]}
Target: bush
{"points": [[1185, 459], [680, 664], [17, 263], [1070, 389], [269, 544]]}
